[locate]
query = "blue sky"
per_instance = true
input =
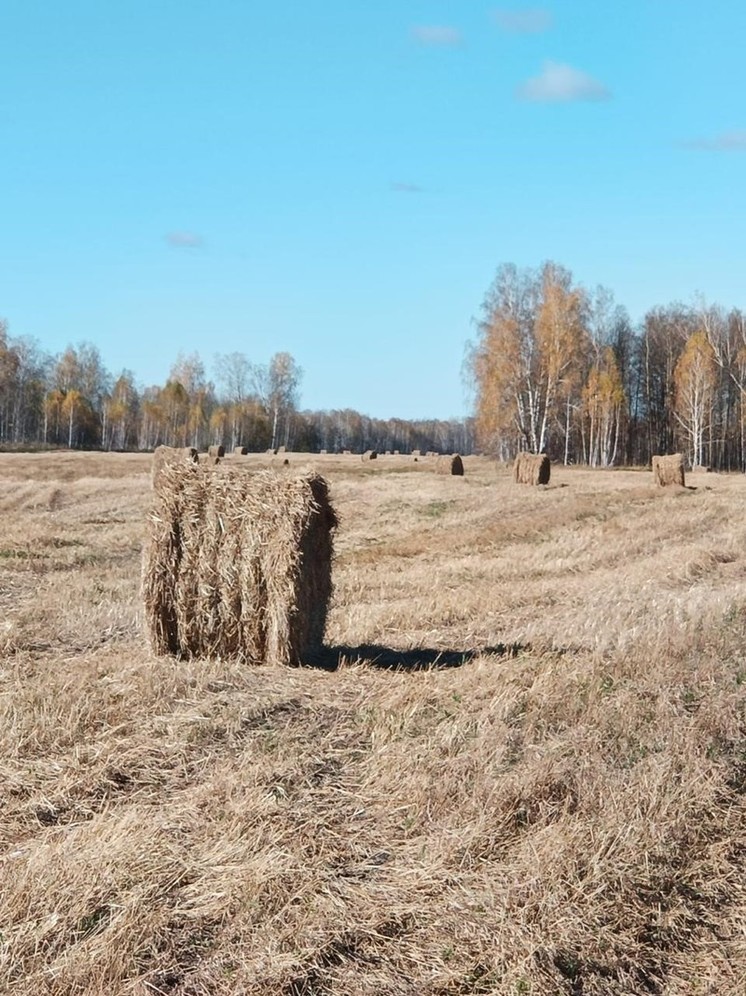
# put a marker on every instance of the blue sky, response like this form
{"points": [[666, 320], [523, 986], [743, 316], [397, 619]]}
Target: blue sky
{"points": [[341, 180]]}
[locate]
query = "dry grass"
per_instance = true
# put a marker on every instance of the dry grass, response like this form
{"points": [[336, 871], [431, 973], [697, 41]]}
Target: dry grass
{"points": [[525, 776]]}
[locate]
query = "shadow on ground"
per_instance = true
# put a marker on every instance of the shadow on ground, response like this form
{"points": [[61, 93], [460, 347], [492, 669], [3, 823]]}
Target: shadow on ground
{"points": [[417, 659]]}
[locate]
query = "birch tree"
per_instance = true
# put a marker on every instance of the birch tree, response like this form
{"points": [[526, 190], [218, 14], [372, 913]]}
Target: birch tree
{"points": [[695, 377]]}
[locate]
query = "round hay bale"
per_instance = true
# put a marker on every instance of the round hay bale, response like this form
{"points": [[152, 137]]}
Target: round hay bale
{"points": [[323, 452], [346, 452], [668, 470], [240, 450], [531, 468], [416, 453], [163, 455], [280, 449], [450, 465], [238, 566], [216, 451], [369, 455]]}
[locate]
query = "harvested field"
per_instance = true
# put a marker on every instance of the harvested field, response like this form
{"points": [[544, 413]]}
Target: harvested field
{"points": [[516, 768]]}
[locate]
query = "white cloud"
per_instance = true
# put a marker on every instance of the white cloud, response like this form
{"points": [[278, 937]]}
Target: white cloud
{"points": [[728, 141], [559, 83], [438, 35], [184, 240], [405, 188], [529, 21]]}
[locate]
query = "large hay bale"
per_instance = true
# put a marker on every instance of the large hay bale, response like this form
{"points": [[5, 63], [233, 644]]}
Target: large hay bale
{"points": [[415, 453], [163, 455], [668, 470], [216, 451], [238, 566], [450, 465], [240, 450], [369, 455], [280, 449], [531, 468]]}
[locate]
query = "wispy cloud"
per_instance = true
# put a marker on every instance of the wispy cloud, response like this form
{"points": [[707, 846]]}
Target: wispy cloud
{"points": [[184, 240], [529, 21], [442, 36], [559, 83], [406, 188], [728, 141]]}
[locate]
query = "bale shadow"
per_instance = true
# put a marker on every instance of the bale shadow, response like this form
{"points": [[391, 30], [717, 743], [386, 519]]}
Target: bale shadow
{"points": [[417, 659]]}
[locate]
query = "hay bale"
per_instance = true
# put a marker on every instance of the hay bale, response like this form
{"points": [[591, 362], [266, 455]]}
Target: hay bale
{"points": [[396, 452], [346, 452], [240, 450], [323, 452], [416, 453], [238, 566], [216, 451], [668, 470], [450, 465], [531, 468], [280, 449], [163, 455], [369, 455]]}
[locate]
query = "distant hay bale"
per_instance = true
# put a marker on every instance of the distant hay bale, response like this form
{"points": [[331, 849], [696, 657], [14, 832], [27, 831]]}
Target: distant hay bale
{"points": [[286, 462], [238, 566], [216, 451], [450, 465], [387, 453], [280, 449], [323, 452], [431, 453], [346, 452], [416, 453], [369, 455], [396, 452], [668, 470], [531, 468], [163, 455], [240, 450]]}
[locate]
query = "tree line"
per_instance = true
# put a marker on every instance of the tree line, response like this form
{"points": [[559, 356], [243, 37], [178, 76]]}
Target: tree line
{"points": [[72, 400], [560, 369]]}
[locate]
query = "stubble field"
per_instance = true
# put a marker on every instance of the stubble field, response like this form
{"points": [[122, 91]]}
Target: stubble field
{"points": [[518, 768]]}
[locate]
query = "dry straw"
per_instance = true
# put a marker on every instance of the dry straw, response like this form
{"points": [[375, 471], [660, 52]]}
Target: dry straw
{"points": [[668, 470], [531, 468], [163, 455], [238, 566], [450, 465]]}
